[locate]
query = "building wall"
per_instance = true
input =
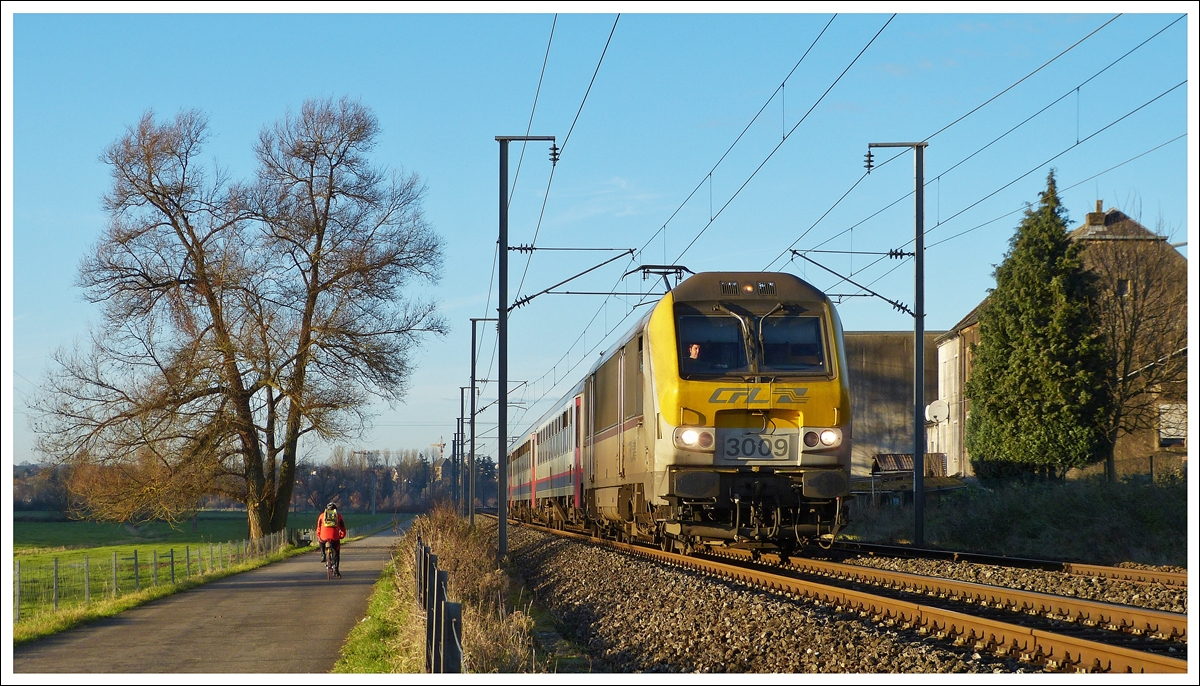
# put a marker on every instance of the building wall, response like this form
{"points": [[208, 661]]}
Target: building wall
{"points": [[881, 371], [954, 367]]}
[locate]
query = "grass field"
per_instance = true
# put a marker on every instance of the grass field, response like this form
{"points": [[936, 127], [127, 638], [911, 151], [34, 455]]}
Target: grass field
{"points": [[32, 537], [96, 562]]}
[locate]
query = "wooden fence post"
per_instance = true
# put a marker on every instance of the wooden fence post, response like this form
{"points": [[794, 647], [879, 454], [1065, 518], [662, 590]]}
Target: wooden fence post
{"points": [[172, 566], [56, 584], [430, 593], [154, 565], [420, 569], [137, 579], [451, 638], [439, 627], [114, 568], [87, 581], [187, 557], [17, 583]]}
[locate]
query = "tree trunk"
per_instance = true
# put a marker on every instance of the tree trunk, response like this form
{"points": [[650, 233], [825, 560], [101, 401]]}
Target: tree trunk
{"points": [[1110, 455], [258, 517]]}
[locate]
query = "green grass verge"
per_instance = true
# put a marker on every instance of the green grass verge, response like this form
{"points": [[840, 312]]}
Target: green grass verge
{"points": [[371, 647], [1088, 520], [32, 539], [48, 623]]}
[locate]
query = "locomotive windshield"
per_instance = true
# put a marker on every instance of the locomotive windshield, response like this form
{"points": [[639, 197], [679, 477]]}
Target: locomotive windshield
{"points": [[710, 346], [792, 344], [716, 345]]}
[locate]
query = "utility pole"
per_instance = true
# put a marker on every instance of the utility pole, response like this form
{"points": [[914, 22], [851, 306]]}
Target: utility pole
{"points": [[462, 442], [919, 333], [471, 499], [502, 343], [453, 463]]}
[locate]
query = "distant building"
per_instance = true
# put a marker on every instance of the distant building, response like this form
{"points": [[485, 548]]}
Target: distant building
{"points": [[881, 392], [1136, 452]]}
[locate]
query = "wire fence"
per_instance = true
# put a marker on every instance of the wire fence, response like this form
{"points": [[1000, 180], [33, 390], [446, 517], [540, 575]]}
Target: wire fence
{"points": [[74, 579], [443, 619]]}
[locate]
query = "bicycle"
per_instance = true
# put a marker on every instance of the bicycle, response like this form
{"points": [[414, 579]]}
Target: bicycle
{"points": [[333, 559]]}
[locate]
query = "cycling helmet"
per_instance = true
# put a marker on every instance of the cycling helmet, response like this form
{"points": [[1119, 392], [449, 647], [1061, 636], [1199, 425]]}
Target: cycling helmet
{"points": [[331, 506]]}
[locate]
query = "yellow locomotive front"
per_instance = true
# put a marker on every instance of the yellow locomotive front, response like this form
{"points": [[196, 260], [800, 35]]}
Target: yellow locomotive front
{"points": [[752, 407]]}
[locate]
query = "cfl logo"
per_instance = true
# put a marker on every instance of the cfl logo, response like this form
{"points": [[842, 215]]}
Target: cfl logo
{"points": [[726, 395]]}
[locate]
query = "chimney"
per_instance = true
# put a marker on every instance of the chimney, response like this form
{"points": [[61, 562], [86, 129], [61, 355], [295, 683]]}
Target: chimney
{"points": [[1097, 218]]}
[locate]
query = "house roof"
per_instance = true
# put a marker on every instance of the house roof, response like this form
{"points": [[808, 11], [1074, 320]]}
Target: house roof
{"points": [[969, 320], [1114, 223], [1099, 225]]}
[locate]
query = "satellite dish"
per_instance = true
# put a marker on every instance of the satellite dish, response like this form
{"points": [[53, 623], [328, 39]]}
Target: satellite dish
{"points": [[937, 411]]}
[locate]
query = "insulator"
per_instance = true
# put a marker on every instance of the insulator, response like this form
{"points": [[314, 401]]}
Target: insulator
{"points": [[554, 153], [870, 161]]}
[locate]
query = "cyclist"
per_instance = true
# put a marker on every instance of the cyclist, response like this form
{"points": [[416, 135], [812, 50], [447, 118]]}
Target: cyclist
{"points": [[331, 529]]}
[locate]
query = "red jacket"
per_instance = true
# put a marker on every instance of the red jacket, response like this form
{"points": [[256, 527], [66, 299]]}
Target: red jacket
{"points": [[327, 533]]}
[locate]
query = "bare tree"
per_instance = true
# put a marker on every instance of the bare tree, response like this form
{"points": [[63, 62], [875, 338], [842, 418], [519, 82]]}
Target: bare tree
{"points": [[348, 237], [238, 318], [1143, 315]]}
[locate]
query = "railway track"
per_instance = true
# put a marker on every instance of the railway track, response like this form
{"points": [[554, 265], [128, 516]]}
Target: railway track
{"points": [[1141, 576], [963, 613]]}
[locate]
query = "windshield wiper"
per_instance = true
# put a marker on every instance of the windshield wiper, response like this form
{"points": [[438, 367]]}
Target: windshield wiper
{"points": [[762, 346], [751, 357]]}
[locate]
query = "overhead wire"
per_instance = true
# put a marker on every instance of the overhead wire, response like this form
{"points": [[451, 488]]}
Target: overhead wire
{"points": [[536, 94], [546, 196], [1011, 212], [528, 127], [753, 119], [707, 176], [1023, 78], [1075, 89], [760, 166], [785, 138]]}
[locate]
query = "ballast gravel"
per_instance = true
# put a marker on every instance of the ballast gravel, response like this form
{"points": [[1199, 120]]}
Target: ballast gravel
{"points": [[634, 615], [1153, 596]]}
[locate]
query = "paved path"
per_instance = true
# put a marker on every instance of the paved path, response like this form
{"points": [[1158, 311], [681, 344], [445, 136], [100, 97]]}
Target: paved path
{"points": [[284, 617]]}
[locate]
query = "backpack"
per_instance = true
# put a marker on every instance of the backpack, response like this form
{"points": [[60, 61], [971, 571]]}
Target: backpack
{"points": [[331, 517]]}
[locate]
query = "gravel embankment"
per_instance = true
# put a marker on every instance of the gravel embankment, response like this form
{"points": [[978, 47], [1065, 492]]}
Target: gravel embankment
{"points": [[1153, 596], [633, 615]]}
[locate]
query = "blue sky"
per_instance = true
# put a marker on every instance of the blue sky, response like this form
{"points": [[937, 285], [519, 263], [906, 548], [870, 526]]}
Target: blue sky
{"points": [[672, 94]]}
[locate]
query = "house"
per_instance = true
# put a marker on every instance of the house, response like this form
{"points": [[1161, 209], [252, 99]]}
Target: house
{"points": [[1141, 277]]}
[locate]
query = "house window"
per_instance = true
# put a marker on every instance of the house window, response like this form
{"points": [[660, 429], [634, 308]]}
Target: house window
{"points": [[1122, 287], [1172, 424]]}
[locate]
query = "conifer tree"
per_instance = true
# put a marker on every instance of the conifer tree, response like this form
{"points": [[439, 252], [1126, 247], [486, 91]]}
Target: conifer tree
{"points": [[1037, 387]]}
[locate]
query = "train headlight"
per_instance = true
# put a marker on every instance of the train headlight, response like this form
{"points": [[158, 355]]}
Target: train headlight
{"points": [[820, 439], [695, 438]]}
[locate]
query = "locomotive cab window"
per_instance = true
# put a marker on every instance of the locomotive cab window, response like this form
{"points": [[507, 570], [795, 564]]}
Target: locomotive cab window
{"points": [[710, 346], [792, 344]]}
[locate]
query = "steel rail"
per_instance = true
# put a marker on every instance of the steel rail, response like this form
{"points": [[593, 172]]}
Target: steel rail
{"points": [[1139, 621], [1050, 650], [1142, 576]]}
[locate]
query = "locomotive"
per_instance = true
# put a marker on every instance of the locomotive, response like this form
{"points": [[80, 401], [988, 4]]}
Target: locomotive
{"points": [[721, 418]]}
